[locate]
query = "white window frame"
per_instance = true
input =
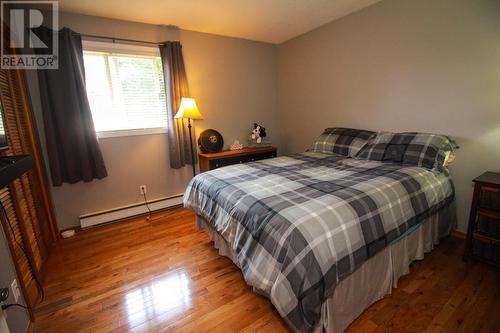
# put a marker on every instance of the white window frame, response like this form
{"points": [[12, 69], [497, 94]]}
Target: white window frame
{"points": [[131, 132], [126, 49]]}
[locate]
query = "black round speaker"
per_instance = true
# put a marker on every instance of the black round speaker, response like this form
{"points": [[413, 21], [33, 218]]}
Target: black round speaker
{"points": [[210, 141]]}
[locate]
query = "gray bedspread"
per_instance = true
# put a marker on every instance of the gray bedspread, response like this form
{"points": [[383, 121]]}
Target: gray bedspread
{"points": [[299, 224]]}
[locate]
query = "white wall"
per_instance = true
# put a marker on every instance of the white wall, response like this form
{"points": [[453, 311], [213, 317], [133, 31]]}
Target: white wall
{"points": [[401, 65], [234, 82]]}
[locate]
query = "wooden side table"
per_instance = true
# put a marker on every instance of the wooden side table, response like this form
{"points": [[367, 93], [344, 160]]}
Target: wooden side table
{"points": [[485, 209], [212, 161]]}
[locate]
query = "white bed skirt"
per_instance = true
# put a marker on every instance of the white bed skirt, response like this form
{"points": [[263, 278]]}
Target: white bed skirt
{"points": [[373, 279]]}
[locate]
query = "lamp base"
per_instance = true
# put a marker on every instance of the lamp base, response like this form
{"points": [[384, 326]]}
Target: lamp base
{"points": [[191, 145]]}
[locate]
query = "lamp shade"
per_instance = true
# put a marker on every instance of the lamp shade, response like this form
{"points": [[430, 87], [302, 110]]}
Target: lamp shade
{"points": [[188, 109]]}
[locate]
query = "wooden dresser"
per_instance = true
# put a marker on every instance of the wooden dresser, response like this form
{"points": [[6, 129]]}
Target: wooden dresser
{"points": [[483, 235], [212, 161]]}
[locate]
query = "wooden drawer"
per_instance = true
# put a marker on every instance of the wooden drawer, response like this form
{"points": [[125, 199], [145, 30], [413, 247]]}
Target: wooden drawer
{"points": [[245, 155], [220, 162]]}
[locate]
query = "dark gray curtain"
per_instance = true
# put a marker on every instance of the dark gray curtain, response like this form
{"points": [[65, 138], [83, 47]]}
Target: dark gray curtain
{"points": [[176, 87], [72, 146]]}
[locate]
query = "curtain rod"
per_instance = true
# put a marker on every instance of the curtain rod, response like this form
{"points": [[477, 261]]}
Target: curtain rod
{"points": [[121, 39]]}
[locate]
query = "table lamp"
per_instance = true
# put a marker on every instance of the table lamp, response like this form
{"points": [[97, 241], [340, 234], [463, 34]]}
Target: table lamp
{"points": [[188, 110]]}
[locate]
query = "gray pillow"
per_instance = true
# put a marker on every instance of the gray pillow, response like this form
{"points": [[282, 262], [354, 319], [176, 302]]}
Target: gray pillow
{"points": [[411, 148], [342, 141]]}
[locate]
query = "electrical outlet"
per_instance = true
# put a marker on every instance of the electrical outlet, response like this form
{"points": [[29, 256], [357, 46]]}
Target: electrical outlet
{"points": [[143, 189], [16, 292]]}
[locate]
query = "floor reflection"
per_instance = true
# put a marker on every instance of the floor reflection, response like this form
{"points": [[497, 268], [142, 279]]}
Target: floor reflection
{"points": [[170, 293]]}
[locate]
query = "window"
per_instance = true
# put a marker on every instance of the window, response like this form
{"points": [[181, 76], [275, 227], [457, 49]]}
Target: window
{"points": [[125, 91]]}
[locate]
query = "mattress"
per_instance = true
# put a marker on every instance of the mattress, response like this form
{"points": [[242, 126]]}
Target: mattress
{"points": [[301, 224]]}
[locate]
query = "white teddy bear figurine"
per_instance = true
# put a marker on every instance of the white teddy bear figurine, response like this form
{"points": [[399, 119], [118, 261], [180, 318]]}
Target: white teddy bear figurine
{"points": [[258, 133]]}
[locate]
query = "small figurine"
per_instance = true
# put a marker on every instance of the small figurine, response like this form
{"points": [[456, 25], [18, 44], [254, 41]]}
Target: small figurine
{"points": [[235, 145], [258, 133]]}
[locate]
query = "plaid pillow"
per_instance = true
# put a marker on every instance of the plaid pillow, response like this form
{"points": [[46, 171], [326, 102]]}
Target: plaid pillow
{"points": [[342, 141], [415, 149]]}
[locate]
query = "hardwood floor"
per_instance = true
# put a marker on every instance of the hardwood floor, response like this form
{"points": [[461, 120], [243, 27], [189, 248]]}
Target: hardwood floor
{"points": [[165, 275]]}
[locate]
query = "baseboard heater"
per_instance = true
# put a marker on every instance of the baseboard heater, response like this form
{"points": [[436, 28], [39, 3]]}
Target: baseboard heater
{"points": [[126, 212]]}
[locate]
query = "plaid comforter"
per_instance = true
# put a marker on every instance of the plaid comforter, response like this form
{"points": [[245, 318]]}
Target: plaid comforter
{"points": [[299, 224]]}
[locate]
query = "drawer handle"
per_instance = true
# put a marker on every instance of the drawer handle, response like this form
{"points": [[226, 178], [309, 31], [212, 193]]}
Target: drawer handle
{"points": [[253, 159], [216, 165], [490, 189], [490, 214]]}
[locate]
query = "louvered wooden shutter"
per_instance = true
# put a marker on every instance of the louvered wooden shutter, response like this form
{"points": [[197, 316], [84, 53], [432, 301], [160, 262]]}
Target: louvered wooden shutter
{"points": [[26, 200]]}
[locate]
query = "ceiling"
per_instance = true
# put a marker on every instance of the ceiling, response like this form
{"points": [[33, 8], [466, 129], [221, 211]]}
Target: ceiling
{"points": [[273, 21]]}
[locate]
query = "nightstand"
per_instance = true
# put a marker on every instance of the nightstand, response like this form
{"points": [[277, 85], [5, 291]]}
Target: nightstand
{"points": [[210, 161], [483, 234]]}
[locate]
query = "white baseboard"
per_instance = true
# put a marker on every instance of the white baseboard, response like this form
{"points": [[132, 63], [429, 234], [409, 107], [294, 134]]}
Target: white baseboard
{"points": [[121, 213]]}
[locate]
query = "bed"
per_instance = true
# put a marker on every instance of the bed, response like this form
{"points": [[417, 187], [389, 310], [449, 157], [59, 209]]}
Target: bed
{"points": [[322, 235]]}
